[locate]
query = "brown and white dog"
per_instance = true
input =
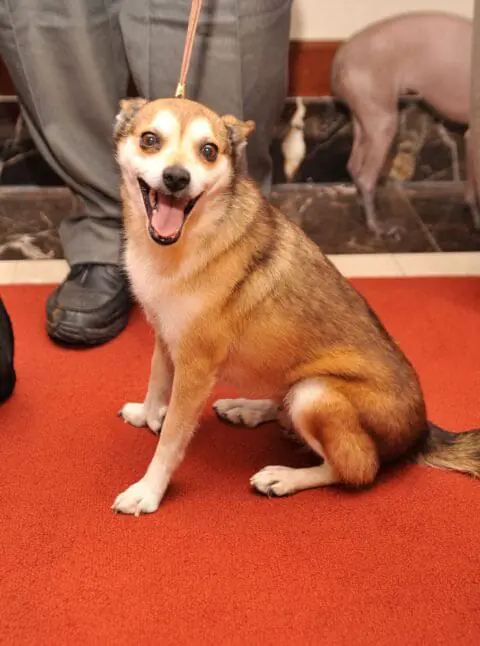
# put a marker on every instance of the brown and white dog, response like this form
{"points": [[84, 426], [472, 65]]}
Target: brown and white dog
{"points": [[237, 293]]}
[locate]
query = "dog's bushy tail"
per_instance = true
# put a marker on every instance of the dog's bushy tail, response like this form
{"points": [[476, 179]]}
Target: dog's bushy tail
{"points": [[454, 451]]}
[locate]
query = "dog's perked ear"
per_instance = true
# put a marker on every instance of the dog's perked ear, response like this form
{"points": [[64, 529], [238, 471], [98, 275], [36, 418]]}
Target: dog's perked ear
{"points": [[238, 133], [124, 119]]}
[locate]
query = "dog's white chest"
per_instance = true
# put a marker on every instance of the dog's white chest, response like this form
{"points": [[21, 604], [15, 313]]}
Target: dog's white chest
{"points": [[173, 315], [170, 311]]}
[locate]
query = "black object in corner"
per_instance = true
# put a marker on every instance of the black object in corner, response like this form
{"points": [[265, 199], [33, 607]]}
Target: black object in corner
{"points": [[7, 369]]}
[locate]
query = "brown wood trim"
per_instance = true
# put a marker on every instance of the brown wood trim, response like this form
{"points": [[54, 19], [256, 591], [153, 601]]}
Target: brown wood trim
{"points": [[6, 85], [309, 69]]}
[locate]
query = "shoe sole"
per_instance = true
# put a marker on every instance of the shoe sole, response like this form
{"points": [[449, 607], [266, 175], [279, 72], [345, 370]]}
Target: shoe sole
{"points": [[71, 336]]}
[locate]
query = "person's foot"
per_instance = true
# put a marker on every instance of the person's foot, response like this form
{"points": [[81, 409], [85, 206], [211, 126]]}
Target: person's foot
{"points": [[90, 307]]}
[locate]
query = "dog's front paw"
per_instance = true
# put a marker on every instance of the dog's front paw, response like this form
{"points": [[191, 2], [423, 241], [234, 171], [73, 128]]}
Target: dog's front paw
{"points": [[136, 415], [137, 499], [246, 412]]}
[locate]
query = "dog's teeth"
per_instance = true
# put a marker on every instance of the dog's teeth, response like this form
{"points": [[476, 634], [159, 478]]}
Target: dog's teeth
{"points": [[153, 198]]}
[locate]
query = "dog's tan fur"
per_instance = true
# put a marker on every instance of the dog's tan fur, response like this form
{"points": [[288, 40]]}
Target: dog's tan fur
{"points": [[245, 298]]}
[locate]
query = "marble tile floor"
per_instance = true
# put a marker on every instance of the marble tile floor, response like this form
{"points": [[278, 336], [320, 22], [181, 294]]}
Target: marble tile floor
{"points": [[429, 217], [311, 143]]}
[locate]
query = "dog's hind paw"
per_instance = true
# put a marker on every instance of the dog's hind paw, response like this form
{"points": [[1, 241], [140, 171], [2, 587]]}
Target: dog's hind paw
{"points": [[136, 415], [137, 499], [247, 412], [275, 481]]}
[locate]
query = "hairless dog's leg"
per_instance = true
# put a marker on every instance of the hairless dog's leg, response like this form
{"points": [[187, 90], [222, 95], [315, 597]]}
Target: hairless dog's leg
{"points": [[377, 134], [358, 149]]}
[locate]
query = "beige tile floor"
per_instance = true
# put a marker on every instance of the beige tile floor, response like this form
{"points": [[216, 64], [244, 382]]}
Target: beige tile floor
{"points": [[31, 272]]}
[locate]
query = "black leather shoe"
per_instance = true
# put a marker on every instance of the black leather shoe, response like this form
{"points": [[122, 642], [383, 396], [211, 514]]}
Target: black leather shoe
{"points": [[90, 307]]}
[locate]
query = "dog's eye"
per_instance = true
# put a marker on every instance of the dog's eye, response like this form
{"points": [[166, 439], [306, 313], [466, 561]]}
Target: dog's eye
{"points": [[209, 152], [149, 140]]}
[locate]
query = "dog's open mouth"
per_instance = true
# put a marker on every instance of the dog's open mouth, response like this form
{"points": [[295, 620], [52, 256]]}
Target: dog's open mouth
{"points": [[166, 213]]}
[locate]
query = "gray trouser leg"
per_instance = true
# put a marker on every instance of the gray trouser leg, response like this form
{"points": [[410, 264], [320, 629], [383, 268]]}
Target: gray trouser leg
{"points": [[67, 61], [475, 99], [239, 64]]}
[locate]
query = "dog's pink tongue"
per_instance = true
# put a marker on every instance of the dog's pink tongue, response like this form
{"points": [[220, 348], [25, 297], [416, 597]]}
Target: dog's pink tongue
{"points": [[167, 217]]}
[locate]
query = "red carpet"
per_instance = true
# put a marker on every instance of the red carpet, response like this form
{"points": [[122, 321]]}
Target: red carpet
{"points": [[217, 564]]}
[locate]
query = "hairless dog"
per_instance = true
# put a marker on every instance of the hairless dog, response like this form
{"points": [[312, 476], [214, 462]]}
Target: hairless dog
{"points": [[422, 53]]}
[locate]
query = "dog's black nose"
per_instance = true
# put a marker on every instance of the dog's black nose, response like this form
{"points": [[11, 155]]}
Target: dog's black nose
{"points": [[176, 178]]}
